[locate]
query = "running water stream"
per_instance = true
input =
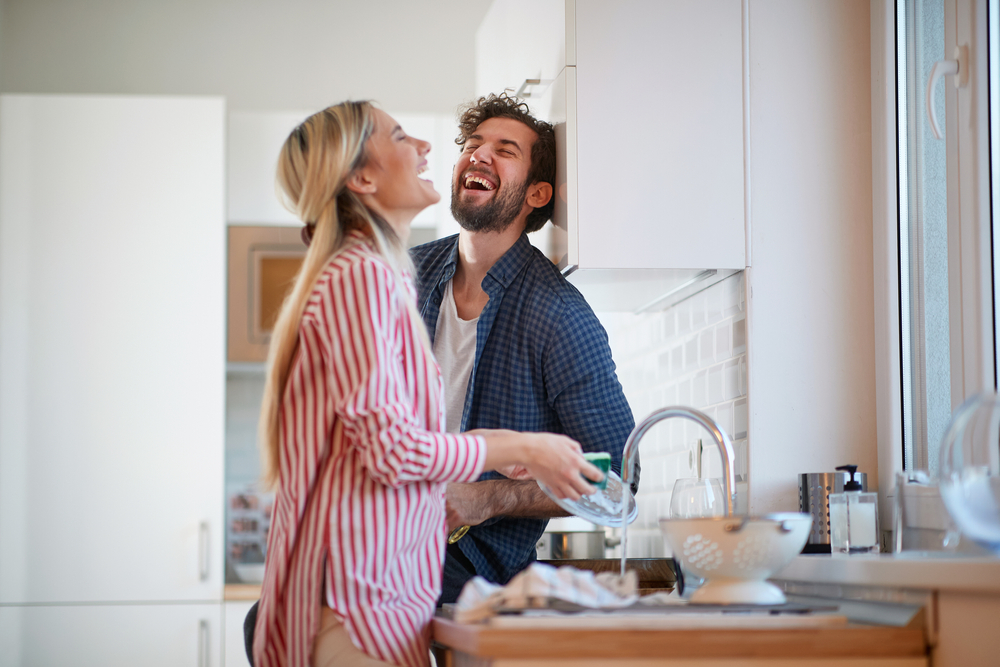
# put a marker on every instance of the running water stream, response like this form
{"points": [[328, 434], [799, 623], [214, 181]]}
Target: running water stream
{"points": [[626, 494]]}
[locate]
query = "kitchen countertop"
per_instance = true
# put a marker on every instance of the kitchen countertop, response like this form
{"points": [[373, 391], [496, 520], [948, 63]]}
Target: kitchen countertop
{"points": [[926, 572]]}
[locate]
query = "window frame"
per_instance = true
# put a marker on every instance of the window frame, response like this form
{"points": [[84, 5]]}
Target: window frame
{"points": [[972, 253]]}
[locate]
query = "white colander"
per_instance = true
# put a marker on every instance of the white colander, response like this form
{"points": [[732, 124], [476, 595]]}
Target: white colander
{"points": [[735, 555]]}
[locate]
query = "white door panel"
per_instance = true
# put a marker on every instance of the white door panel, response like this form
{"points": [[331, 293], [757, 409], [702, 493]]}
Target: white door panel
{"points": [[111, 636], [112, 231]]}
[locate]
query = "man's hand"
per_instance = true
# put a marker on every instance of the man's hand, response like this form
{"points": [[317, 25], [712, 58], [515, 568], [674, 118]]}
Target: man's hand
{"points": [[517, 472], [467, 504]]}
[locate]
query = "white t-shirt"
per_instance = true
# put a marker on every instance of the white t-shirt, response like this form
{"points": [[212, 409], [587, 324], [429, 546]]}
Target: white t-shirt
{"points": [[455, 349]]}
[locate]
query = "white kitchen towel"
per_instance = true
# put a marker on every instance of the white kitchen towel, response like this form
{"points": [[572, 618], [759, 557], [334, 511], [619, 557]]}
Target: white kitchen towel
{"points": [[537, 585]]}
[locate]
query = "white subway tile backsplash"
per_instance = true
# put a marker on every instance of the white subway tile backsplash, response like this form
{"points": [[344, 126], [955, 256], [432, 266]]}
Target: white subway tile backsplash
{"points": [[699, 389], [683, 318], [731, 379], [741, 460], [684, 392], [706, 345], [691, 354], [723, 341], [740, 418], [739, 336], [713, 306], [669, 324], [698, 308], [732, 296], [715, 384], [724, 415], [664, 367]]}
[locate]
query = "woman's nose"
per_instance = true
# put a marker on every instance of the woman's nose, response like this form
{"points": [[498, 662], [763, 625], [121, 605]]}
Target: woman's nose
{"points": [[423, 147]]}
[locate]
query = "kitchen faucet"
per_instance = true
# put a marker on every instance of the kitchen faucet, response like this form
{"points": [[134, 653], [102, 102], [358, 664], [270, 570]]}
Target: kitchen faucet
{"points": [[718, 435]]}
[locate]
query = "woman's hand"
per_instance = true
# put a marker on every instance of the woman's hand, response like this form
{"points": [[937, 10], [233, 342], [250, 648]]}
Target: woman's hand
{"points": [[555, 460], [558, 462]]}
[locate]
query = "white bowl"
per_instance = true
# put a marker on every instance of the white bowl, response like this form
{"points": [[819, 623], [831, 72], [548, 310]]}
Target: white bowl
{"points": [[735, 555], [250, 573]]}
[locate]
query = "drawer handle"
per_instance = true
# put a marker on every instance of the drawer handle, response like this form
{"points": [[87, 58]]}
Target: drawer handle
{"points": [[203, 551], [203, 647]]}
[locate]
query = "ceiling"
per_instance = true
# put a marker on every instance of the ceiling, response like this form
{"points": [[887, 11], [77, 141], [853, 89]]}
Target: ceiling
{"points": [[414, 56]]}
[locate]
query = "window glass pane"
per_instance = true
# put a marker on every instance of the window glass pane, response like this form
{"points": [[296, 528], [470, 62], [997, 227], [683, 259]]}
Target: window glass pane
{"points": [[923, 235], [993, 38]]}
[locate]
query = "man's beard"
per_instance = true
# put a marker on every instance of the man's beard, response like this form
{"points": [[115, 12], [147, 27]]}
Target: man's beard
{"points": [[494, 216]]}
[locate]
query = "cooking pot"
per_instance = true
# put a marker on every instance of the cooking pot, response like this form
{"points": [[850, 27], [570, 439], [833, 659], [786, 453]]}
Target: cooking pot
{"points": [[571, 538]]}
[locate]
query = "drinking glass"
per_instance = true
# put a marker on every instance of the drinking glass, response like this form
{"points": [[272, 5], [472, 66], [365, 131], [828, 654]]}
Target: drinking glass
{"points": [[693, 498], [921, 522]]}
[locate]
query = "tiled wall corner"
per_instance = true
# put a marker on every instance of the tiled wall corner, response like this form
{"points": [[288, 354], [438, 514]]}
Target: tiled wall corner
{"points": [[692, 354]]}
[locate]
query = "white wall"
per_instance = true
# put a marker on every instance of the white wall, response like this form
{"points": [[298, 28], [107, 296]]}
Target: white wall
{"points": [[811, 302], [256, 137], [414, 56]]}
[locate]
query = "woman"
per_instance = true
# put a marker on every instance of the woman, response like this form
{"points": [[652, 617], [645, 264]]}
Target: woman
{"points": [[352, 418]]}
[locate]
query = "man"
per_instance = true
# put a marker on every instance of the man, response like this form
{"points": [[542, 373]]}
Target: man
{"points": [[519, 347]]}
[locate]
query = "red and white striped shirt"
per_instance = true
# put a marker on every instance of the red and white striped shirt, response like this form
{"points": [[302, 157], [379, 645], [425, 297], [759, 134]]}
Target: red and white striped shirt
{"points": [[363, 462]]}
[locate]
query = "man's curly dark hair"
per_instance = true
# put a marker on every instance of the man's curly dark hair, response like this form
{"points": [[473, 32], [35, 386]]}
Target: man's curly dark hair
{"points": [[543, 151]]}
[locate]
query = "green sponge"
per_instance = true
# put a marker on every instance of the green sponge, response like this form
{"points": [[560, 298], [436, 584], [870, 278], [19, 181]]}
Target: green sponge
{"points": [[603, 461]]}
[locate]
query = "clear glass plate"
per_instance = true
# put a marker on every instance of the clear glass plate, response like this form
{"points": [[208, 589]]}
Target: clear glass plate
{"points": [[603, 507]]}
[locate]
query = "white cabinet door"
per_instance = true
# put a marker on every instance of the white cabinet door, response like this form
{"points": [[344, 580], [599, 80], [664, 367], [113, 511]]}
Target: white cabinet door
{"points": [[652, 146], [111, 636], [233, 640], [112, 275], [660, 134]]}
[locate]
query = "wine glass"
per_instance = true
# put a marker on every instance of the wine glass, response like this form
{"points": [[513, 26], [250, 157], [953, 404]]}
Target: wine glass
{"points": [[970, 469], [694, 498]]}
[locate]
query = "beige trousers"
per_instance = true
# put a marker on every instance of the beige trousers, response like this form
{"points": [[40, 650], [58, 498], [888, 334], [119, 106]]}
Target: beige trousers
{"points": [[333, 646]]}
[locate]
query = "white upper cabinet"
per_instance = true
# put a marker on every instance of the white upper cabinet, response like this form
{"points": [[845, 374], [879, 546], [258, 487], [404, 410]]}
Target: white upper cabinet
{"points": [[112, 345], [648, 99], [660, 134]]}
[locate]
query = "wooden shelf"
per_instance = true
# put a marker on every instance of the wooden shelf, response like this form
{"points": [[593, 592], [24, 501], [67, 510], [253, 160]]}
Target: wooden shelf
{"points": [[241, 592]]}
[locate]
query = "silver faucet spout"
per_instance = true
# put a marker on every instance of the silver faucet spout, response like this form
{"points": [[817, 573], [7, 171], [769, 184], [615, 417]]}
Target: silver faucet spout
{"points": [[718, 435]]}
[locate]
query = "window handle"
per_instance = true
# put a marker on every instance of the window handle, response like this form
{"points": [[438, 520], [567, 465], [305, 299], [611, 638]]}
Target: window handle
{"points": [[958, 67]]}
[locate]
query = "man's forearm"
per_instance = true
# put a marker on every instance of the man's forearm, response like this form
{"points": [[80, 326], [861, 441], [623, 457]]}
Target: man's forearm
{"points": [[520, 499]]}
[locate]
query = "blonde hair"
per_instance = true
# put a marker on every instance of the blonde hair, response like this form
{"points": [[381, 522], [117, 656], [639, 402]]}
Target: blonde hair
{"points": [[314, 166]]}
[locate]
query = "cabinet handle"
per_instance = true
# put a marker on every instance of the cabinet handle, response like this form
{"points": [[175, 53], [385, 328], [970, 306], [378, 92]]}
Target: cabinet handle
{"points": [[203, 647], [521, 91], [942, 68], [203, 551]]}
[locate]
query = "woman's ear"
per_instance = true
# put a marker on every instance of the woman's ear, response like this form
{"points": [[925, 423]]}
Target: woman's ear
{"points": [[359, 183], [539, 194]]}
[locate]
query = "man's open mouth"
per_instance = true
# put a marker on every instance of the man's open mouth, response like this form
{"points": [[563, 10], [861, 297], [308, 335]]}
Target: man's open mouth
{"points": [[478, 182]]}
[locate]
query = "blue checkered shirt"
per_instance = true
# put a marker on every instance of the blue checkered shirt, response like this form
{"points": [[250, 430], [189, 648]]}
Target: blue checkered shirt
{"points": [[542, 364]]}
